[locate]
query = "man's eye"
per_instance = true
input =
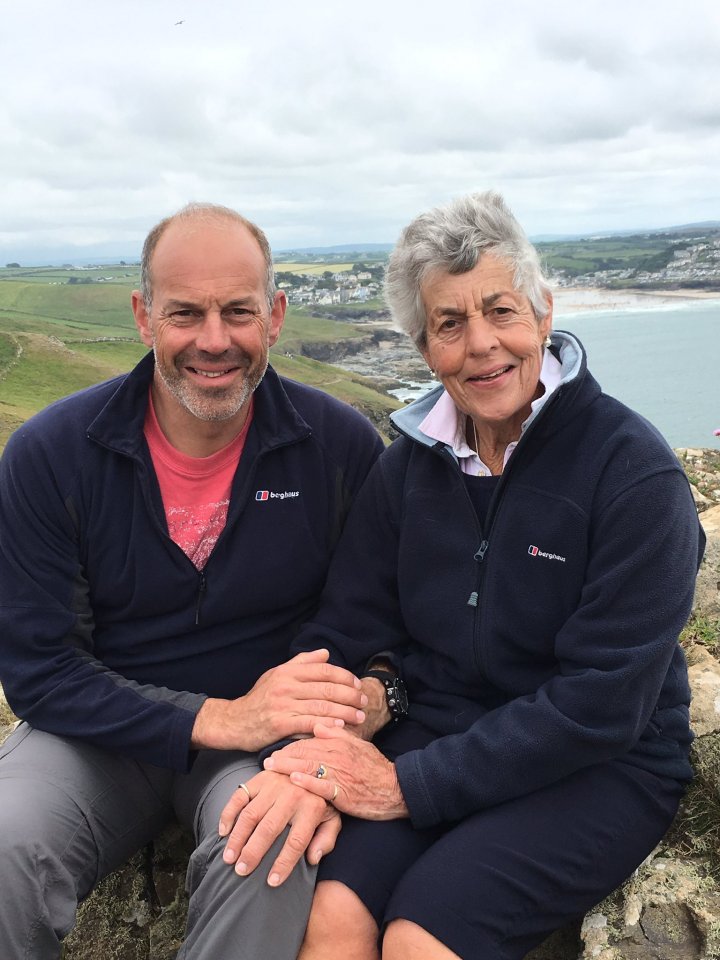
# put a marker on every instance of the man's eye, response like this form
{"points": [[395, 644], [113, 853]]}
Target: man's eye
{"points": [[238, 313], [180, 315]]}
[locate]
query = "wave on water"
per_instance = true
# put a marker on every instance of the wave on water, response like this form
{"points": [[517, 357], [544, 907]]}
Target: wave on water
{"points": [[681, 306]]}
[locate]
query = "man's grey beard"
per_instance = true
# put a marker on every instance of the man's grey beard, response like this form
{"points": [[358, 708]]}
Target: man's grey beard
{"points": [[212, 405]]}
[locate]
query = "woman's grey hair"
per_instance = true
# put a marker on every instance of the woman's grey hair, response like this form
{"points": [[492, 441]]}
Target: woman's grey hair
{"points": [[203, 212], [451, 239]]}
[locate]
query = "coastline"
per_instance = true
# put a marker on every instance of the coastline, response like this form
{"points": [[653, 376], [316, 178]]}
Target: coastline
{"points": [[577, 299]]}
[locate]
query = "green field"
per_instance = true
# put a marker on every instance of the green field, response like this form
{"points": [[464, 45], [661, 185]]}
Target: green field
{"points": [[313, 269], [648, 252], [56, 338]]}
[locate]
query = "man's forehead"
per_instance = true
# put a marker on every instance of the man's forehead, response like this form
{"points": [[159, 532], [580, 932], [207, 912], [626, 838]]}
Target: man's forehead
{"points": [[223, 252]]}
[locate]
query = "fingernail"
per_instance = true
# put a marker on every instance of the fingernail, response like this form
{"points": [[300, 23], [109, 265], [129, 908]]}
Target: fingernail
{"points": [[360, 716], [222, 829], [269, 763], [338, 722], [364, 700], [274, 879], [296, 777], [358, 682], [229, 855], [315, 857], [241, 868]]}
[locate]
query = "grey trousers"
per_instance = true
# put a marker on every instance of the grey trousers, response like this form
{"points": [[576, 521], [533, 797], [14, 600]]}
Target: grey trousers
{"points": [[71, 813]]}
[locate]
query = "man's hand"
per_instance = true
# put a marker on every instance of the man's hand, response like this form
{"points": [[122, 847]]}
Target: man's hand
{"points": [[287, 701], [252, 824], [377, 714], [356, 777]]}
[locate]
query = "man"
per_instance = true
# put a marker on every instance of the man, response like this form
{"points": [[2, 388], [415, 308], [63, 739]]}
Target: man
{"points": [[162, 537]]}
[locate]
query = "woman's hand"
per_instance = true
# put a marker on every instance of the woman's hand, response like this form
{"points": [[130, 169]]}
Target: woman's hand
{"points": [[258, 812], [356, 777]]}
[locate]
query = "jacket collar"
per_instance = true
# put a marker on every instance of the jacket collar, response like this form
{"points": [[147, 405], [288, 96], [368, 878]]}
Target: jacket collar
{"points": [[119, 424], [567, 348]]}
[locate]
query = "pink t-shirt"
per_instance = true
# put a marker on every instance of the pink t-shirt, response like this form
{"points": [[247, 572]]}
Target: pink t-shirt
{"points": [[195, 490]]}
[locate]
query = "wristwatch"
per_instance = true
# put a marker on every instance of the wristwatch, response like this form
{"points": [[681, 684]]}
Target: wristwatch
{"points": [[395, 692]]}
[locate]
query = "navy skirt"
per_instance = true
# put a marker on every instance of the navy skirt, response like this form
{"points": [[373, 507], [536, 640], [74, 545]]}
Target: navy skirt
{"points": [[496, 884]]}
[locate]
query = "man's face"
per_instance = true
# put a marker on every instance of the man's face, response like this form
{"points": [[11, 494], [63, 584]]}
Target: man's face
{"points": [[209, 324]]}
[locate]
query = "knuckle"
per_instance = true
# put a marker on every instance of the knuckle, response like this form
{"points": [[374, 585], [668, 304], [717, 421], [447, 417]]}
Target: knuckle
{"points": [[297, 843], [248, 819], [267, 829], [326, 670]]}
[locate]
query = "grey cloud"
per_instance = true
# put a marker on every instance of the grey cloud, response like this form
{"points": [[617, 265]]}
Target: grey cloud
{"points": [[328, 124]]}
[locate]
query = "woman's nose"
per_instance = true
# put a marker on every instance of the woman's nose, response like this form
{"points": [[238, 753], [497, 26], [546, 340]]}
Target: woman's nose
{"points": [[481, 335]]}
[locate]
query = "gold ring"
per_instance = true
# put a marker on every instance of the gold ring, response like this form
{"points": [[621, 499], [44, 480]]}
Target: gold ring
{"points": [[335, 793], [241, 786], [321, 772]]}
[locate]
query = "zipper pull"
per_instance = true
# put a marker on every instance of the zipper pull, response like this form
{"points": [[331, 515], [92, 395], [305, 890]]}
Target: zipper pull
{"points": [[473, 599], [201, 594], [482, 550]]}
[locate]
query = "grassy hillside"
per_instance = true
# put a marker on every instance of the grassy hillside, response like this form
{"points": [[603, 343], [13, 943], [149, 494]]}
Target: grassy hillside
{"points": [[57, 337]]}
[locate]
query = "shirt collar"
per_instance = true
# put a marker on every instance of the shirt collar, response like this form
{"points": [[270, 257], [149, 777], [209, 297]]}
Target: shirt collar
{"points": [[447, 424]]}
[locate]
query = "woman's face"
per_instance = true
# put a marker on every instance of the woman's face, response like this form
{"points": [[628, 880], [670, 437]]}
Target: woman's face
{"points": [[484, 343]]}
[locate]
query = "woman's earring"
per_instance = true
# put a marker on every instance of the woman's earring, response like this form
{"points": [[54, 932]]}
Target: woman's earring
{"points": [[432, 373], [547, 341]]}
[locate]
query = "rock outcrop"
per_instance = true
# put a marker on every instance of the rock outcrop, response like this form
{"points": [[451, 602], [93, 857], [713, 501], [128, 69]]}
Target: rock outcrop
{"points": [[668, 910]]}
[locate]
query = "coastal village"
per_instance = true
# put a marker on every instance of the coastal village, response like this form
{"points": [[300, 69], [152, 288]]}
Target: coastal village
{"points": [[692, 264]]}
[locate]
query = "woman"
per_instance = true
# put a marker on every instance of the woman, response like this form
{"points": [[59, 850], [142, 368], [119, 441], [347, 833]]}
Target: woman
{"points": [[524, 557]]}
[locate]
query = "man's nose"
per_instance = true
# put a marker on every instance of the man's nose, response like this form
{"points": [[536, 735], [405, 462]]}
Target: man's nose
{"points": [[213, 335]]}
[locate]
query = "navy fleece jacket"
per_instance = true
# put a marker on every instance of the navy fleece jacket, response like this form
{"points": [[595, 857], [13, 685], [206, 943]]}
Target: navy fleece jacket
{"points": [[545, 641], [109, 633]]}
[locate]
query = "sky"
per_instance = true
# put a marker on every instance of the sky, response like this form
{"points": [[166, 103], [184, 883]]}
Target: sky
{"points": [[336, 122]]}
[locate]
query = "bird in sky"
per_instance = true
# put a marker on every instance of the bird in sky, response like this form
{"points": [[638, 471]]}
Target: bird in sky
{"points": [[178, 22]]}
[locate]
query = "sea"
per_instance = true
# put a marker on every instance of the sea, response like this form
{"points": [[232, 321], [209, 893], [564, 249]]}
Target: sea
{"points": [[660, 356]]}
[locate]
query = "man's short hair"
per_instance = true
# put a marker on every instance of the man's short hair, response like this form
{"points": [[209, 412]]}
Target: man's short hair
{"points": [[203, 212]]}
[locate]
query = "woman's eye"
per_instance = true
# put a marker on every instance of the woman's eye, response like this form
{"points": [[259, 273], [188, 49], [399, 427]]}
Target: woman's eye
{"points": [[449, 324]]}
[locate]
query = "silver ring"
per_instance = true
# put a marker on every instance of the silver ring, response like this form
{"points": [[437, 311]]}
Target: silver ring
{"points": [[321, 772], [241, 786]]}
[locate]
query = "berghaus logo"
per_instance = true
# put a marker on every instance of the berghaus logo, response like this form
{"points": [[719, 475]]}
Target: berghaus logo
{"points": [[271, 495], [537, 552]]}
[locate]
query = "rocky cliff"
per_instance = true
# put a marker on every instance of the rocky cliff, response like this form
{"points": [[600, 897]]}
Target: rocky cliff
{"points": [[669, 909]]}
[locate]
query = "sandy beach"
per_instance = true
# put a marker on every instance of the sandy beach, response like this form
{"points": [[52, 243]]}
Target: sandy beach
{"points": [[575, 299]]}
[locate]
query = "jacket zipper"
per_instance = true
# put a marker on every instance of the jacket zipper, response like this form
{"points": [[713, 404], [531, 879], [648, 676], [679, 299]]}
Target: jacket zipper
{"points": [[479, 556], [202, 587]]}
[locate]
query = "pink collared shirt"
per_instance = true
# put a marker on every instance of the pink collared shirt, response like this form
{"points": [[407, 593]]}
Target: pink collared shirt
{"points": [[447, 424]]}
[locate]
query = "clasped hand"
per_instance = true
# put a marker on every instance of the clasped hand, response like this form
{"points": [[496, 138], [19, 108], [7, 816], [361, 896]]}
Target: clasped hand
{"points": [[357, 780], [287, 701]]}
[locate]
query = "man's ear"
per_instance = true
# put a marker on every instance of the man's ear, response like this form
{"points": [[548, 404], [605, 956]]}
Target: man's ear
{"points": [[277, 317], [142, 320]]}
